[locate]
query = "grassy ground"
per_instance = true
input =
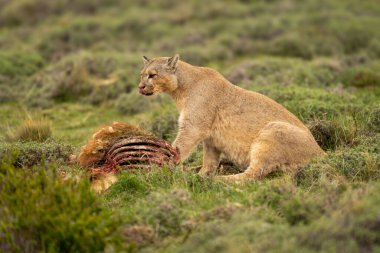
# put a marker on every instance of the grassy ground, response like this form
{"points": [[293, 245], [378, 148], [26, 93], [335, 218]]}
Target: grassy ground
{"points": [[72, 66]]}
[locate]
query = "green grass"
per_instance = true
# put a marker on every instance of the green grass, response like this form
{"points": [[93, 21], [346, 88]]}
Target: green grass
{"points": [[76, 65]]}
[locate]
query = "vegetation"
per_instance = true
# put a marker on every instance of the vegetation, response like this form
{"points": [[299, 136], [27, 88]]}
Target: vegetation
{"points": [[41, 212], [32, 153], [73, 66], [31, 130]]}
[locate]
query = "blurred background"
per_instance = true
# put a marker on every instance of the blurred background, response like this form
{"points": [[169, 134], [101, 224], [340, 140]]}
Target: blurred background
{"points": [[63, 59], [70, 66]]}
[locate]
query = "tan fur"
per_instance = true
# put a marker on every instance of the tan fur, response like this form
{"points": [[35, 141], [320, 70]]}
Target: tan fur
{"points": [[104, 182], [249, 128]]}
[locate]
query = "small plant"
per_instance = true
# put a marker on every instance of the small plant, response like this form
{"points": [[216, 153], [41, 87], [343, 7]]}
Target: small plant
{"points": [[139, 235], [291, 45], [361, 77], [324, 133], [331, 134], [31, 130], [27, 154], [166, 211], [50, 214], [374, 120], [162, 124], [359, 164], [16, 64], [132, 103]]}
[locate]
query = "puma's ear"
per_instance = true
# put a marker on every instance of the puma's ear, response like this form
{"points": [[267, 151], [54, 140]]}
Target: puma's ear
{"points": [[145, 59], [173, 62]]}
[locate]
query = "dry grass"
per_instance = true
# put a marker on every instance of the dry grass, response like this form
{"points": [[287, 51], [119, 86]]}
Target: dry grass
{"points": [[30, 130]]}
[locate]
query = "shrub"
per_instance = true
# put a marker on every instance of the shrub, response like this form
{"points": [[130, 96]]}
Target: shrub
{"points": [[324, 133], [332, 134], [255, 71], [33, 153], [88, 78], [224, 212], [78, 35], [163, 123], [6, 94], [311, 103], [374, 120], [235, 45], [361, 77], [132, 103], [360, 163], [291, 45], [351, 227], [31, 130], [64, 82], [353, 34], [166, 211], [31, 12], [50, 214], [18, 63], [325, 72], [139, 235], [269, 71], [374, 48]]}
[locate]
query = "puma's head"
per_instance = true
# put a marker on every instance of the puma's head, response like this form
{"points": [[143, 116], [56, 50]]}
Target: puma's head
{"points": [[159, 75]]}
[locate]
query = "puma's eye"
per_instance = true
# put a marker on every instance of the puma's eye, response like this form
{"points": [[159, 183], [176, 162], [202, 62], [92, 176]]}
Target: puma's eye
{"points": [[152, 75]]}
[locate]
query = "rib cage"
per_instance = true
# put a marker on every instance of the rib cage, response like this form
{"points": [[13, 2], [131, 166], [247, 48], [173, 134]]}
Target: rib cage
{"points": [[137, 152]]}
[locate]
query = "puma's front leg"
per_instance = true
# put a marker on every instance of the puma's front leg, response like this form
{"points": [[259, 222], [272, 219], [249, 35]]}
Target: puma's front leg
{"points": [[193, 127], [187, 139], [210, 158]]}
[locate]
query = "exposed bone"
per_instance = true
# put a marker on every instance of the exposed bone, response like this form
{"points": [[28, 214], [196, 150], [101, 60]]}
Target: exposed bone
{"points": [[136, 152], [144, 140], [139, 148]]}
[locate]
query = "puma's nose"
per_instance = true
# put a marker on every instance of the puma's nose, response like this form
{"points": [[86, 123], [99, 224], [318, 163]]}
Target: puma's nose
{"points": [[141, 86]]}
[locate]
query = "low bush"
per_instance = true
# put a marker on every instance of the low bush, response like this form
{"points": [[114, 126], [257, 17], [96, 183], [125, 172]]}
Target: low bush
{"points": [[374, 120], [76, 36], [132, 103], [88, 78], [332, 134], [162, 123], [352, 226], [6, 94], [374, 48], [291, 45], [269, 71], [199, 56], [354, 34], [34, 153], [361, 77], [324, 133], [27, 12], [139, 236], [52, 215], [311, 103], [166, 211], [16, 64], [358, 164]]}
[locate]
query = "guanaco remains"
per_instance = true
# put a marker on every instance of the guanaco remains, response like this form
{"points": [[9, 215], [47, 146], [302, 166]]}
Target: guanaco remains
{"points": [[250, 129]]}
